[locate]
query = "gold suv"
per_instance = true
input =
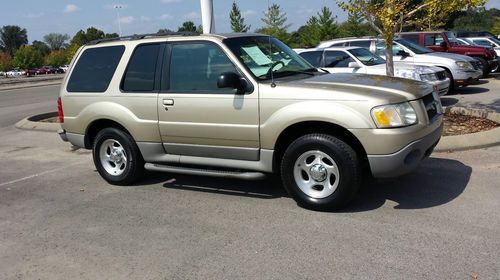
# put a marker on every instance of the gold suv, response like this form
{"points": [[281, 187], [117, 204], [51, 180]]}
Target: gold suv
{"points": [[240, 106]]}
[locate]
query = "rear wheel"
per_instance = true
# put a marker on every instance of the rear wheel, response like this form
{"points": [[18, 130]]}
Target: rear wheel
{"points": [[116, 157], [320, 172]]}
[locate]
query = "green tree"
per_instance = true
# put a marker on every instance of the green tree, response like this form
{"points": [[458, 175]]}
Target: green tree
{"points": [[237, 20], [476, 19], [83, 37], [43, 48], [387, 17], [12, 37], [56, 58], [28, 57], [56, 41], [496, 27], [71, 51], [164, 31], [111, 35], [5, 61], [275, 23], [319, 28], [187, 26], [355, 26]]}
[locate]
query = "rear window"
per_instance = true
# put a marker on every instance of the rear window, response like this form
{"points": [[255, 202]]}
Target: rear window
{"points": [[95, 69], [141, 71]]}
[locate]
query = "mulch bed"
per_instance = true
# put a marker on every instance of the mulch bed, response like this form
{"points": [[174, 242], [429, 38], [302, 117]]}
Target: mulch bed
{"points": [[455, 124]]}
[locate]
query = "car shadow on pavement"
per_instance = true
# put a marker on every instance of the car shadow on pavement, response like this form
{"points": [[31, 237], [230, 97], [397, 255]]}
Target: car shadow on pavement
{"points": [[268, 188], [448, 101], [436, 182], [469, 90]]}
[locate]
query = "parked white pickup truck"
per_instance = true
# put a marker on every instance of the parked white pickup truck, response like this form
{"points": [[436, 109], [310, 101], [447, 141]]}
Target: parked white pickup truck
{"points": [[360, 60]]}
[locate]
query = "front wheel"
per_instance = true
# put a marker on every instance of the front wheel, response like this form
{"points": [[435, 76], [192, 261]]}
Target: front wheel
{"points": [[485, 67], [320, 172], [116, 157]]}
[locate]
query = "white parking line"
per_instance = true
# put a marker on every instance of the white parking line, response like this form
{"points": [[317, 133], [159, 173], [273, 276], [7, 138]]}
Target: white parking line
{"points": [[38, 174]]}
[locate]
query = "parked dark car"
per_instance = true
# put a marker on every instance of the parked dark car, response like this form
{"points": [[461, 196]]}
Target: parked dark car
{"points": [[445, 41]]}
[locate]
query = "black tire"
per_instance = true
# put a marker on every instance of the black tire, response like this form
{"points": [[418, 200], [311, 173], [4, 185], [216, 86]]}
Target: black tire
{"points": [[134, 163], [452, 81], [344, 157], [486, 67]]}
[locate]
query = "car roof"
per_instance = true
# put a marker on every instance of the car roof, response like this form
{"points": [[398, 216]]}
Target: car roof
{"points": [[329, 49], [162, 36]]}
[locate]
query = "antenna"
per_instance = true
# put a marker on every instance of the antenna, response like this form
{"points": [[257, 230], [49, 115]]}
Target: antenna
{"points": [[273, 85]]}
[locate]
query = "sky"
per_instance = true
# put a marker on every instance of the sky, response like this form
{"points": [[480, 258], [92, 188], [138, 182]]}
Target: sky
{"points": [[148, 16]]}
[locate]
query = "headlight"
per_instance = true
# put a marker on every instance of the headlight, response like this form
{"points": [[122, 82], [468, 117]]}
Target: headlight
{"points": [[407, 74], [464, 65], [428, 77], [394, 115]]}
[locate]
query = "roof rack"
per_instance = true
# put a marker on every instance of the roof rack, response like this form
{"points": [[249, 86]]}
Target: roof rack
{"points": [[142, 36]]}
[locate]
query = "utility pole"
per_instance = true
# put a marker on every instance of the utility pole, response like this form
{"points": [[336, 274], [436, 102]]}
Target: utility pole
{"points": [[207, 16], [117, 8]]}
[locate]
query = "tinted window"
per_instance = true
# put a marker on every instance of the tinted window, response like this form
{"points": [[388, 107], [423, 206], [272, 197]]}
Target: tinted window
{"points": [[381, 49], [364, 44], [140, 75], [337, 59], [412, 38], [94, 69], [433, 39], [313, 57], [197, 67]]}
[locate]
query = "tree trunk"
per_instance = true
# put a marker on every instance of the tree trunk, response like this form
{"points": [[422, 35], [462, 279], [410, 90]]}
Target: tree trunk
{"points": [[389, 66]]}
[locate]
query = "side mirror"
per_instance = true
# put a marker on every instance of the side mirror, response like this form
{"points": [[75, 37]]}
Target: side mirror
{"points": [[232, 80], [403, 53], [354, 65], [443, 45]]}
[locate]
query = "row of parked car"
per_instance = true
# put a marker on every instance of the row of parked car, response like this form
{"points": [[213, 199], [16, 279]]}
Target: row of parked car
{"points": [[17, 72], [437, 57]]}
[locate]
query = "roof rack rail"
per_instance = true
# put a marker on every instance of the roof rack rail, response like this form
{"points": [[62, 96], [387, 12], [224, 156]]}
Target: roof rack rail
{"points": [[142, 36]]}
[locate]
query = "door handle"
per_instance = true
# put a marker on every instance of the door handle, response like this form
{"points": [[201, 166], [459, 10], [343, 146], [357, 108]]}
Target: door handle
{"points": [[168, 102]]}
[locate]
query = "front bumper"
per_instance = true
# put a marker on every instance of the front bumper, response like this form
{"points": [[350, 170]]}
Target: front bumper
{"points": [[406, 159], [464, 78], [441, 86]]}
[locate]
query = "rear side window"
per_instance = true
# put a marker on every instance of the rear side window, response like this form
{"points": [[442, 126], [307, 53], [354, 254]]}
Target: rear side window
{"points": [[95, 68], [364, 44], [412, 38], [141, 71], [313, 57], [433, 39]]}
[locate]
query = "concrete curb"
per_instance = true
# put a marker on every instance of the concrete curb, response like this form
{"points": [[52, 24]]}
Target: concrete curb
{"points": [[33, 123], [448, 143], [29, 85], [25, 82], [472, 141]]}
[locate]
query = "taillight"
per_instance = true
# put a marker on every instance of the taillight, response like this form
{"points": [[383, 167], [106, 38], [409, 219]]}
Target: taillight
{"points": [[60, 110]]}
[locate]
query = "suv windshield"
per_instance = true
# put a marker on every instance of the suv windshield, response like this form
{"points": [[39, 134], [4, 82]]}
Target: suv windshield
{"points": [[366, 57], [413, 47], [266, 56]]}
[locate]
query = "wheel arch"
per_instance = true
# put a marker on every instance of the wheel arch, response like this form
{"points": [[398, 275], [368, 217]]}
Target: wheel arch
{"points": [[97, 125], [296, 130]]}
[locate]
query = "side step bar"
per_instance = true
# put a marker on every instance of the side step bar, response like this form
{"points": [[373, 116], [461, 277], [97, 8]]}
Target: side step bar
{"points": [[205, 172]]}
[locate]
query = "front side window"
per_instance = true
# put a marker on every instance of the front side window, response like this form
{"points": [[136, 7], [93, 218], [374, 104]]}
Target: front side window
{"points": [[141, 71], [95, 69], [313, 57], [337, 59], [267, 57], [197, 67]]}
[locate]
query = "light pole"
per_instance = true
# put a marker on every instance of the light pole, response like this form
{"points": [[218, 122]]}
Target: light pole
{"points": [[117, 8], [207, 16]]}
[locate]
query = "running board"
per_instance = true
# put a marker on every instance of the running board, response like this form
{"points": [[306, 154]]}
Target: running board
{"points": [[205, 172]]}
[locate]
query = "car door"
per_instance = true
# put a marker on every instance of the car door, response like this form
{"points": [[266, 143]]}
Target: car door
{"points": [[196, 118], [338, 62]]}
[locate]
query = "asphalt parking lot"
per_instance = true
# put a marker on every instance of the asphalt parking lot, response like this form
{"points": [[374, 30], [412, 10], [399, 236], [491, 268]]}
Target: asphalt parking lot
{"points": [[60, 220]]}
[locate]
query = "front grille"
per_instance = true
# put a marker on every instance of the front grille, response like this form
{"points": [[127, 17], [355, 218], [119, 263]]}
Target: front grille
{"points": [[432, 107], [476, 64], [441, 75]]}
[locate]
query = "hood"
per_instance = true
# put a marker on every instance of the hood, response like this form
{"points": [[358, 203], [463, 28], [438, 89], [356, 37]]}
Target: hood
{"points": [[350, 86], [454, 56]]}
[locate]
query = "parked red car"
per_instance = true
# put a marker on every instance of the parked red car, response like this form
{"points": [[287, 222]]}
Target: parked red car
{"points": [[445, 41], [30, 72]]}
